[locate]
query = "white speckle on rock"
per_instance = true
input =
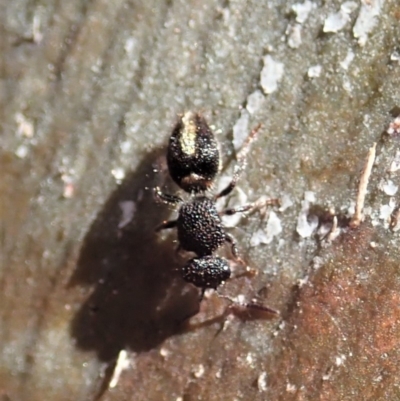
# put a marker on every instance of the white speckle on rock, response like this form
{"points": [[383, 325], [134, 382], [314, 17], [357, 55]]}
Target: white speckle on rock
{"points": [[271, 74], [302, 10], [69, 187], [301, 282], [306, 224], [317, 262], [309, 196], [395, 164], [273, 228], [347, 61], [236, 199], [366, 19], [118, 173], [37, 34], [389, 188], [339, 360], [349, 6], [69, 191], [125, 146], [347, 86], [262, 382], [337, 21], [249, 358], [351, 208], [394, 127], [293, 33], [314, 71], [128, 209], [286, 202], [291, 388], [130, 45], [385, 212], [255, 101], [25, 126], [395, 56], [199, 371], [22, 151], [241, 129], [258, 237], [366, 120], [165, 353]]}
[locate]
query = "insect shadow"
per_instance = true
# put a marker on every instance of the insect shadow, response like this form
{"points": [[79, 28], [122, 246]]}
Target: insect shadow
{"points": [[138, 298]]}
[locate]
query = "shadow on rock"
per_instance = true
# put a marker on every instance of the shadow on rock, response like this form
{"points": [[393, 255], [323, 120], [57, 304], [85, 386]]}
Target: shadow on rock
{"points": [[138, 298]]}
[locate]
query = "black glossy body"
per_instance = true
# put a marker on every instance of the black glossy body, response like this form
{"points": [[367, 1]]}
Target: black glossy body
{"points": [[193, 155], [207, 271], [193, 163], [199, 226]]}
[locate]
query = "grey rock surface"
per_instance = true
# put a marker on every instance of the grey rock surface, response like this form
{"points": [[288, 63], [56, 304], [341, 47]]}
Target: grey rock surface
{"points": [[89, 93]]}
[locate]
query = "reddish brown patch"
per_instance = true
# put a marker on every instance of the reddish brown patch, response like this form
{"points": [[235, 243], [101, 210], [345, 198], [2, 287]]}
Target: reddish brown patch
{"points": [[341, 342]]}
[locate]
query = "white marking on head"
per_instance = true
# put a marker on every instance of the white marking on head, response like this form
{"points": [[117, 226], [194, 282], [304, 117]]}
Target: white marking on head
{"points": [[187, 137]]}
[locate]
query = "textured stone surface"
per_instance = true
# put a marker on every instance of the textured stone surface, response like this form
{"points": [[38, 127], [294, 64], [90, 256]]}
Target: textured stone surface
{"points": [[89, 93]]}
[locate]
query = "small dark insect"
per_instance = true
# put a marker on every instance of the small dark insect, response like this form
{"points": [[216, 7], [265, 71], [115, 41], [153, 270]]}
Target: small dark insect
{"points": [[193, 163]]}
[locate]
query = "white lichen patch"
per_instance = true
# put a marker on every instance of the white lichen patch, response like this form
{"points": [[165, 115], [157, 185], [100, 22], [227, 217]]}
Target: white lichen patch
{"points": [[395, 56], [199, 371], [22, 151], [126, 147], [337, 21], [395, 164], [236, 199], [306, 224], [339, 360], [314, 71], [274, 226], [262, 382], [347, 60], [130, 45], [286, 202], [24, 126], [366, 19], [309, 196], [69, 186], [347, 86], [258, 237], [241, 129], [271, 74], [385, 212], [266, 236], [388, 187], [302, 10], [293, 33], [255, 102], [250, 359], [394, 127]]}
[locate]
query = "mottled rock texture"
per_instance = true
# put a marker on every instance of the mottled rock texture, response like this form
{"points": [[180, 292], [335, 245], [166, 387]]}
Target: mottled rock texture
{"points": [[89, 92]]}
